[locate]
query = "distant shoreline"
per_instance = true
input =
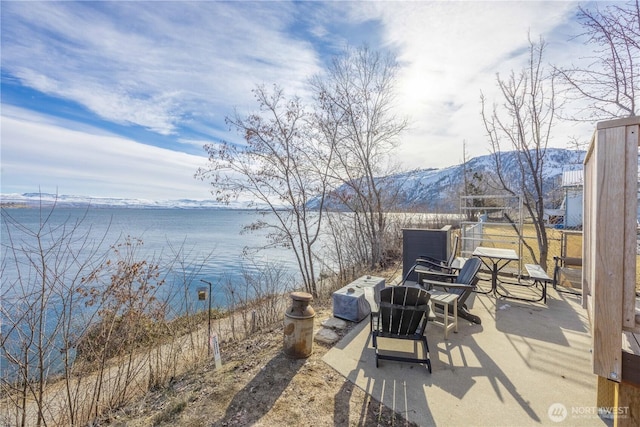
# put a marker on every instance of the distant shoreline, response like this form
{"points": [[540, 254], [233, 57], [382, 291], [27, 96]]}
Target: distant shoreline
{"points": [[37, 200], [14, 205], [62, 205]]}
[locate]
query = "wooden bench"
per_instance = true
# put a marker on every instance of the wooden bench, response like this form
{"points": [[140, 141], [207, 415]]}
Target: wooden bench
{"points": [[539, 277], [567, 275]]}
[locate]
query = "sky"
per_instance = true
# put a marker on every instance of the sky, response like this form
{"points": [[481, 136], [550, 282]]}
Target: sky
{"points": [[117, 99]]}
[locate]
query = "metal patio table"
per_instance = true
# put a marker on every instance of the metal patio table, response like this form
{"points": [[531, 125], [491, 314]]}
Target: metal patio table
{"points": [[495, 259]]}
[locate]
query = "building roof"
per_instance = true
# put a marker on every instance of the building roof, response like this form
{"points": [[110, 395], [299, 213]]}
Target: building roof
{"points": [[573, 178]]}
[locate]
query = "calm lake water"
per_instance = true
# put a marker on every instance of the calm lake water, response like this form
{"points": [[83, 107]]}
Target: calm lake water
{"points": [[211, 243], [211, 240]]}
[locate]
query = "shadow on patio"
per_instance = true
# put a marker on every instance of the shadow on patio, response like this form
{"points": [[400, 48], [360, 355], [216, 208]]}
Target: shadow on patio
{"points": [[521, 364]]}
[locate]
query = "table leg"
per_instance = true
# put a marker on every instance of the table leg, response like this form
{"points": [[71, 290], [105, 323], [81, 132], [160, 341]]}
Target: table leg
{"points": [[494, 278], [491, 269], [446, 321]]}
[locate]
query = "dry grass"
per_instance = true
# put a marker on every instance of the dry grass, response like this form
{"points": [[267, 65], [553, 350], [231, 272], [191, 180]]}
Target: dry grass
{"points": [[259, 386], [504, 236]]}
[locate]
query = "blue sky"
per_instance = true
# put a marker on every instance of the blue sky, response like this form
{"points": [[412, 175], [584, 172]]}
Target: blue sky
{"points": [[116, 99]]}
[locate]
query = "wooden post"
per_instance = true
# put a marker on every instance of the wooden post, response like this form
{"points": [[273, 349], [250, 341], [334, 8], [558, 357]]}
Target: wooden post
{"points": [[609, 266], [630, 223], [606, 238]]}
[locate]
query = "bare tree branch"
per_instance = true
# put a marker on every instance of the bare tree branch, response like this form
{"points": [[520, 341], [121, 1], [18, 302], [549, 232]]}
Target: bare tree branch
{"points": [[522, 122], [610, 83]]}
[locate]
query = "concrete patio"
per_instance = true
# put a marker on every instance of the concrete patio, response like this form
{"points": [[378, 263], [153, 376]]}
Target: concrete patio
{"points": [[527, 364]]}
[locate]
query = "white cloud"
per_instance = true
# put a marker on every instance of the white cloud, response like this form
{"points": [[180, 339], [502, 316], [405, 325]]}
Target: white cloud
{"points": [[39, 155], [170, 66], [450, 52], [151, 63]]}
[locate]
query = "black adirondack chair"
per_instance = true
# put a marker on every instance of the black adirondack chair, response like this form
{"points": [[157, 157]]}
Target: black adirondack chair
{"points": [[462, 284], [403, 314]]}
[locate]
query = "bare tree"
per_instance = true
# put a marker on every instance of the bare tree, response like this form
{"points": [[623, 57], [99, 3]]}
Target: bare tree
{"points": [[124, 290], [42, 267], [522, 121], [473, 185], [611, 81], [282, 167], [355, 114], [292, 157], [84, 329]]}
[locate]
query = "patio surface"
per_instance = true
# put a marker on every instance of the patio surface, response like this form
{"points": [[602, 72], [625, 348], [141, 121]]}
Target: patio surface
{"points": [[523, 366]]}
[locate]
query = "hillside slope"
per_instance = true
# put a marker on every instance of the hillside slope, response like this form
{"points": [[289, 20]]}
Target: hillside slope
{"points": [[439, 190]]}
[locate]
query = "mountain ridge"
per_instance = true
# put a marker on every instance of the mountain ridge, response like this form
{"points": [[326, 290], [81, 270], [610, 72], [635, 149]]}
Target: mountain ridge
{"points": [[434, 190], [439, 190]]}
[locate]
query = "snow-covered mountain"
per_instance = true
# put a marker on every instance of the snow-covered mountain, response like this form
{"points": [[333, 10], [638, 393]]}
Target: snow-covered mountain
{"points": [[432, 190], [439, 190]]}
